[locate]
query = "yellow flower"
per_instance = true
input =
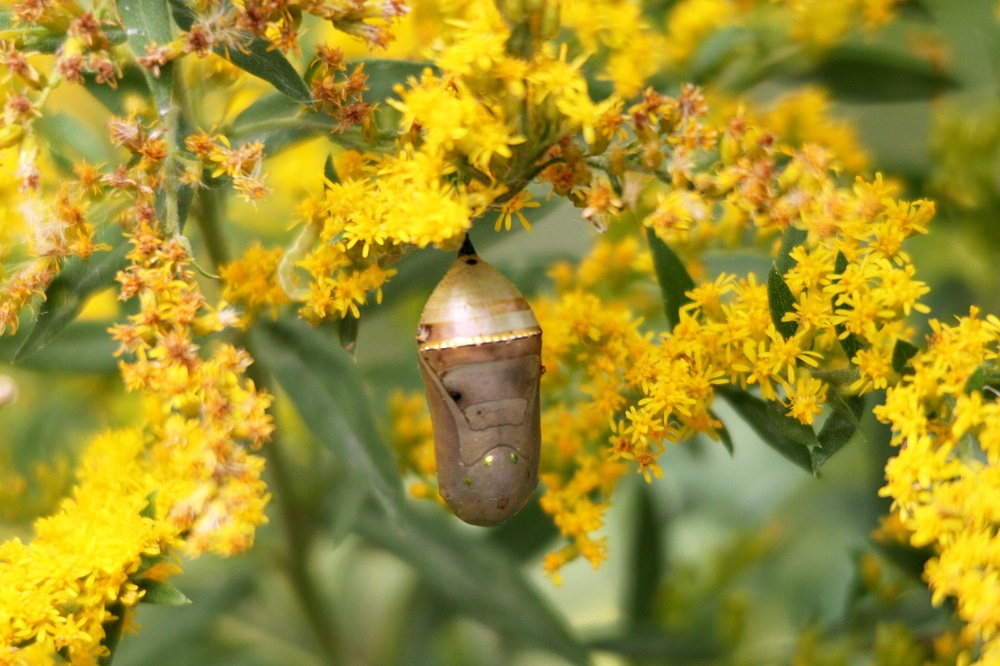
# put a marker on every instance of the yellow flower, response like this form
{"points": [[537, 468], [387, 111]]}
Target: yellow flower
{"points": [[513, 207]]}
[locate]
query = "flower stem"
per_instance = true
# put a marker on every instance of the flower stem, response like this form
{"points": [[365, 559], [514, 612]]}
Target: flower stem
{"points": [[298, 531]]}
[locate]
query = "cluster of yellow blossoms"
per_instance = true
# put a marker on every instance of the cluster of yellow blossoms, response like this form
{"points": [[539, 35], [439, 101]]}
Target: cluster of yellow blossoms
{"points": [[945, 419], [186, 480]]}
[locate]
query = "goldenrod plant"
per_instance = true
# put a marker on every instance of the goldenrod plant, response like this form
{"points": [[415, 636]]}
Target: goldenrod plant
{"points": [[758, 237]]}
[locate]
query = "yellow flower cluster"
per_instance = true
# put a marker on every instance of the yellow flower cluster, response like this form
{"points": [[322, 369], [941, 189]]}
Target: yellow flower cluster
{"points": [[203, 414], [470, 139], [55, 233], [823, 22], [57, 590], [221, 25], [252, 281], [944, 478], [634, 48], [414, 442], [185, 480], [243, 164], [630, 49], [850, 288]]}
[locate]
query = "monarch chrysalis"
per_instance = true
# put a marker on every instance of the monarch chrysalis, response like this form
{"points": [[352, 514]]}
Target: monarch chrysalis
{"points": [[479, 347]]}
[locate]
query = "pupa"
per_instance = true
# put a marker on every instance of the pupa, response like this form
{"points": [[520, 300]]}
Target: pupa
{"points": [[479, 347]]}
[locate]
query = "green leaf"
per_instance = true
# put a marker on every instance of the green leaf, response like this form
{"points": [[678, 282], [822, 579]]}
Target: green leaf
{"points": [[645, 569], [782, 433], [792, 238], [131, 84], [385, 73], [673, 277], [724, 436], [278, 122], [781, 302], [69, 291], [347, 331], [901, 354], [343, 503], [985, 378], [716, 50], [976, 381], [870, 74], [838, 428], [257, 59], [83, 347], [149, 511], [330, 171], [160, 593], [323, 382], [474, 576], [71, 139], [147, 23]]}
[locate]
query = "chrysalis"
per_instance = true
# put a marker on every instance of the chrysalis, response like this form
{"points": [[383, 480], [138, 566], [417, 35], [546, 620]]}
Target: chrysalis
{"points": [[479, 347]]}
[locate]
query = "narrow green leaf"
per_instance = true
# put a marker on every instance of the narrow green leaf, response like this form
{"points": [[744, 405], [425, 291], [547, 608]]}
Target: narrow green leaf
{"points": [[147, 23], [901, 354], [149, 511], [673, 277], [344, 501], [83, 347], [716, 50], [724, 436], [976, 381], [838, 428], [871, 74], [160, 593], [257, 59], [347, 331], [69, 137], [781, 302], [185, 198], [280, 122], [474, 576], [645, 569], [792, 238], [323, 382], [330, 171], [132, 83], [69, 291], [779, 431]]}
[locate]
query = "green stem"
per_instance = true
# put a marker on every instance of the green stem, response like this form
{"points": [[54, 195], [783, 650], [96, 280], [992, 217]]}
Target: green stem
{"points": [[297, 526], [299, 534]]}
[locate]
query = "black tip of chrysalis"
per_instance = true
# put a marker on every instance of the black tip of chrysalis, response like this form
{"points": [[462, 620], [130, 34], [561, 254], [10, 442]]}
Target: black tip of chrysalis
{"points": [[466, 248]]}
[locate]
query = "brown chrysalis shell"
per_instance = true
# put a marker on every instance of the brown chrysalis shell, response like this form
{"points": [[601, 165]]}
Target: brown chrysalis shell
{"points": [[479, 347]]}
